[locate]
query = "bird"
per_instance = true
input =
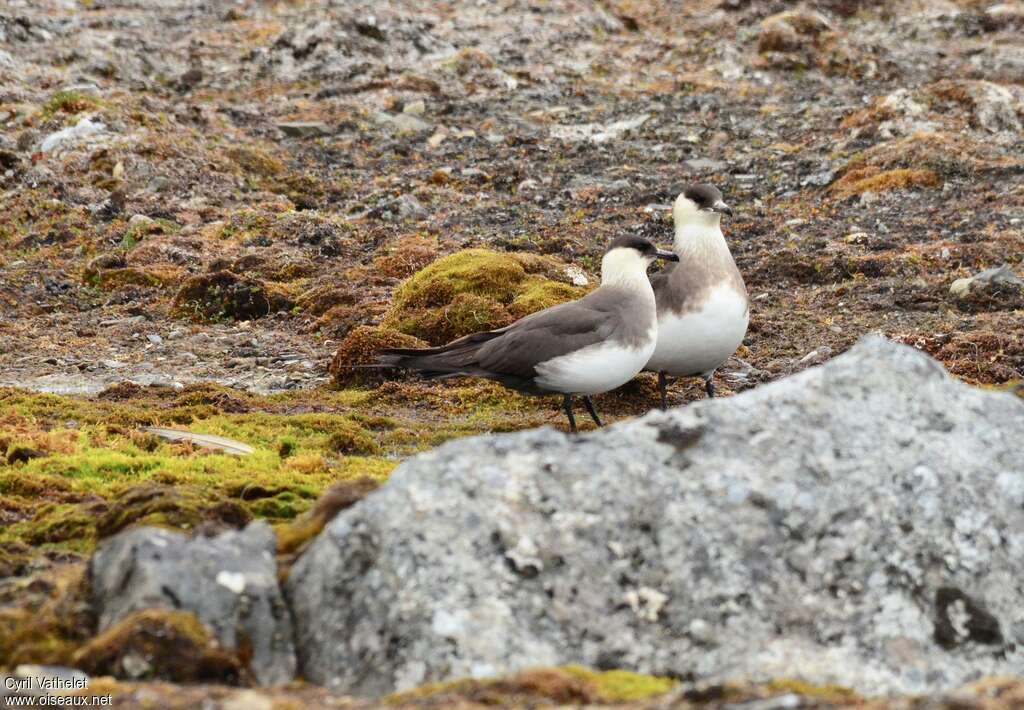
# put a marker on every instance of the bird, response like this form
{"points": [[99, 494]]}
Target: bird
{"points": [[702, 303], [578, 348]]}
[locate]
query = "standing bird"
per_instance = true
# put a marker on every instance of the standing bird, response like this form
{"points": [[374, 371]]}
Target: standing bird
{"points": [[702, 301], [583, 347]]}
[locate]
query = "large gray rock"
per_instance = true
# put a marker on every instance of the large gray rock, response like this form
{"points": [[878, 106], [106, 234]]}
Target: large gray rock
{"points": [[861, 523], [229, 582]]}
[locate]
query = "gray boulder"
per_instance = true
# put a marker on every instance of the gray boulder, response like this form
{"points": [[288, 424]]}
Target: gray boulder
{"points": [[229, 582], [860, 523]]}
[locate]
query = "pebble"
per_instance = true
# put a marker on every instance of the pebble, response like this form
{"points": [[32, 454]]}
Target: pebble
{"points": [[140, 220], [304, 129], [702, 164], [415, 108], [154, 338]]}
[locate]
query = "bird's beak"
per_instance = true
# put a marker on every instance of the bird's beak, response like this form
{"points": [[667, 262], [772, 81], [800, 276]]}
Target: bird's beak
{"points": [[721, 208], [667, 255]]}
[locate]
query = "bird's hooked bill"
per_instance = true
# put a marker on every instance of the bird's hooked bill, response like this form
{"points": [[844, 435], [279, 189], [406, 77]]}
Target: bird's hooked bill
{"points": [[721, 208], [667, 255]]}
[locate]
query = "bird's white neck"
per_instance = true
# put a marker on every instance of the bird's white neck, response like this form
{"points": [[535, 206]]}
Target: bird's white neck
{"points": [[702, 235], [626, 268]]}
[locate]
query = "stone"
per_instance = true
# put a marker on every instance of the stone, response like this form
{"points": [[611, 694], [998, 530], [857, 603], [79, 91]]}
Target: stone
{"points": [[84, 129], [228, 581], [860, 523], [598, 132], [402, 123], [304, 129], [698, 165]]}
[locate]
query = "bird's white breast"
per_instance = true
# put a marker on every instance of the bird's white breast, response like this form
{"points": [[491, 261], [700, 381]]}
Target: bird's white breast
{"points": [[596, 368], [696, 343]]}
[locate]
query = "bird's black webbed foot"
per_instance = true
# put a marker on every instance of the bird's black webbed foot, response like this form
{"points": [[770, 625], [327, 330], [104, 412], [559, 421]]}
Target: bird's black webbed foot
{"points": [[567, 406], [663, 389], [709, 384], [593, 412]]}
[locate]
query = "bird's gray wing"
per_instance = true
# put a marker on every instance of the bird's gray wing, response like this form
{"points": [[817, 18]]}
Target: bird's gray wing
{"points": [[545, 335], [660, 279]]}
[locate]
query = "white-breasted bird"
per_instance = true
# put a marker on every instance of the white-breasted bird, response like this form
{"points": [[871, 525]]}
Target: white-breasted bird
{"points": [[703, 309], [579, 348]]}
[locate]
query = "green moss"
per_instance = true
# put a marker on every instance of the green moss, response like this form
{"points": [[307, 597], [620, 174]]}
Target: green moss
{"points": [[472, 290], [49, 618], [69, 102], [174, 644], [828, 693], [360, 347], [620, 686], [255, 160], [350, 438], [105, 474], [568, 685], [538, 293]]}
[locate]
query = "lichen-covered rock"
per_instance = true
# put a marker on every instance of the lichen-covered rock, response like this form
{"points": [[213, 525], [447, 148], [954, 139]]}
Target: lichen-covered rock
{"points": [[229, 582], [859, 524]]}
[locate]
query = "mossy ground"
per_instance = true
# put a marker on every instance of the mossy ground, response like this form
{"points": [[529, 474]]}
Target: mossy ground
{"points": [[75, 469]]}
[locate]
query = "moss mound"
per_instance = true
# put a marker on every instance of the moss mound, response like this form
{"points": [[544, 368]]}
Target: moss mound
{"points": [[411, 253], [293, 537], [180, 507], [569, 685], [874, 179], [360, 348], [472, 290], [351, 438], [944, 154], [224, 295], [157, 643], [45, 617]]}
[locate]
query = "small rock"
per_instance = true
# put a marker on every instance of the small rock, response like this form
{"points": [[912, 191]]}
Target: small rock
{"points": [[437, 138], [576, 275], [598, 132], [154, 338], [85, 128], [402, 123], [705, 164], [407, 206], [304, 129], [994, 277], [415, 108], [140, 221]]}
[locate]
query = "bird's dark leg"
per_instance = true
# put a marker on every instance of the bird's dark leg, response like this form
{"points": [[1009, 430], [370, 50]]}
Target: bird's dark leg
{"points": [[663, 388], [567, 405], [709, 384], [592, 411]]}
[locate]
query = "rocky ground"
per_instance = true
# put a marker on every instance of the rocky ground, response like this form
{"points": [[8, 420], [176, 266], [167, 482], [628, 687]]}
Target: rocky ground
{"points": [[229, 204]]}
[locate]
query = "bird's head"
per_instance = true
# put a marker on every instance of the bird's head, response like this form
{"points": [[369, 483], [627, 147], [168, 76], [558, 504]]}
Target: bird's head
{"points": [[699, 204], [629, 257]]}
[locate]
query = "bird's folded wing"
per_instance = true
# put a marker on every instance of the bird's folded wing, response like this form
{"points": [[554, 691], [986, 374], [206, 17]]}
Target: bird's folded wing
{"points": [[543, 336]]}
